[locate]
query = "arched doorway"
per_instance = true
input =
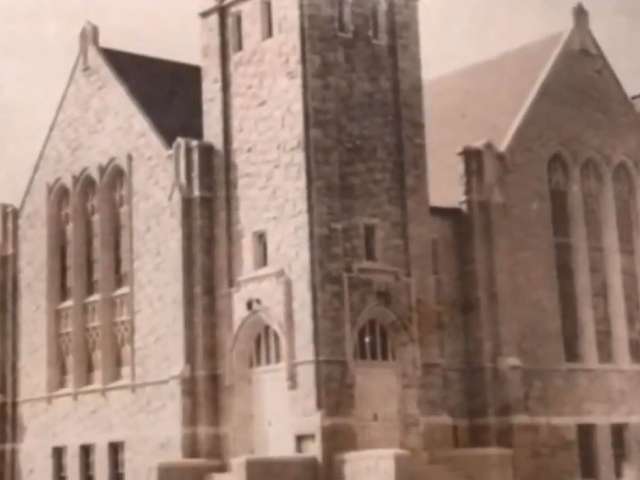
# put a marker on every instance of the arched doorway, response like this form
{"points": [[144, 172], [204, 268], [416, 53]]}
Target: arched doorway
{"points": [[262, 406], [378, 380], [270, 397]]}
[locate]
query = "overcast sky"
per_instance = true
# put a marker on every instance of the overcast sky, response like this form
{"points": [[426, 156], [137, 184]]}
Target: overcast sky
{"points": [[38, 42]]}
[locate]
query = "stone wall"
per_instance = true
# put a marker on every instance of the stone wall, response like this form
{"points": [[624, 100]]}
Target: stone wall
{"points": [[580, 111], [365, 168], [253, 104], [98, 123]]}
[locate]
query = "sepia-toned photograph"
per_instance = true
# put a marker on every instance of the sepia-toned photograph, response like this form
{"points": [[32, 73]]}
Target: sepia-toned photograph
{"points": [[320, 240]]}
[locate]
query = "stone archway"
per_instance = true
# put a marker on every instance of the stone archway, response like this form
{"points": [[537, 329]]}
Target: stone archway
{"points": [[262, 422], [381, 359]]}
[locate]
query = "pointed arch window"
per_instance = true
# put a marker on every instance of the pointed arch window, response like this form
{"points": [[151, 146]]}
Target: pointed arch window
{"points": [[119, 226], [91, 242], [625, 205], [561, 224], [62, 235], [267, 349], [374, 343], [592, 196], [91, 239], [64, 244], [121, 231]]}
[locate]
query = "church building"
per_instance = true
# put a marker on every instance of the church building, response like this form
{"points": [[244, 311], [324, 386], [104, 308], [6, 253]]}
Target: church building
{"points": [[299, 260]]}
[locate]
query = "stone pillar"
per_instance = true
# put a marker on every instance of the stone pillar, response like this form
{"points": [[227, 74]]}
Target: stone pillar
{"points": [[8, 339], [582, 276], [495, 374], [604, 451], [408, 86], [196, 179]]}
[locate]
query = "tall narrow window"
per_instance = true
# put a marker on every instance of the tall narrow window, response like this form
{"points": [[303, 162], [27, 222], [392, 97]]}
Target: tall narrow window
{"points": [[64, 244], [625, 201], [118, 200], [370, 242], [436, 281], [62, 322], [235, 32], [592, 188], [560, 221], [619, 447], [90, 227], [378, 20], [344, 16], [91, 237], [121, 231], [587, 451], [267, 19], [87, 462], [260, 250], [59, 460], [116, 461]]}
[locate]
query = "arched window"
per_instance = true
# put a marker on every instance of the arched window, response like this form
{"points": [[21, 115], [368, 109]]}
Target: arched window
{"points": [[592, 197], [90, 236], [91, 229], [120, 230], [61, 235], [64, 232], [625, 202], [561, 224], [266, 348], [118, 226], [374, 343]]}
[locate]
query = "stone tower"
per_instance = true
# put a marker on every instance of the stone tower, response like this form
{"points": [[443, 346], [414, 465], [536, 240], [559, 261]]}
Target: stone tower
{"points": [[315, 109]]}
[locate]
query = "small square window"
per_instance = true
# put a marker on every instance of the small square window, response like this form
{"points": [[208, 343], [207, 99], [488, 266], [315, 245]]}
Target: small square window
{"points": [[59, 458], [260, 250], [235, 32], [370, 243], [267, 19]]}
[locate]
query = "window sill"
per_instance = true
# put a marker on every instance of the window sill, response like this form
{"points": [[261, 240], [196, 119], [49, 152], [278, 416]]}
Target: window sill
{"points": [[92, 298], [345, 35], [276, 367], [65, 304], [373, 364], [261, 273], [121, 291], [375, 267]]}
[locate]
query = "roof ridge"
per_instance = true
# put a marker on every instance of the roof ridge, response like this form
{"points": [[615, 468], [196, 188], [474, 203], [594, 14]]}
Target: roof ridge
{"points": [[560, 34], [150, 57]]}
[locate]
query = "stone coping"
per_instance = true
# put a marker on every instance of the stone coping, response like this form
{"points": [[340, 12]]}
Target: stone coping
{"points": [[477, 451], [274, 458], [381, 452]]}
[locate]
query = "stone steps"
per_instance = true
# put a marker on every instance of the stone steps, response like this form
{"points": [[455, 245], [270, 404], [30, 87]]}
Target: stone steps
{"points": [[219, 476]]}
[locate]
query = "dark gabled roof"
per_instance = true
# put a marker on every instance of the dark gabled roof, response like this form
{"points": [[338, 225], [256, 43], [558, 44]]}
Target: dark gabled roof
{"points": [[478, 103], [169, 93], [636, 101]]}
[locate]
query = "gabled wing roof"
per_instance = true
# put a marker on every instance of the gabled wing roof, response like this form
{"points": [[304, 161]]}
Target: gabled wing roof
{"points": [[169, 93], [477, 103]]}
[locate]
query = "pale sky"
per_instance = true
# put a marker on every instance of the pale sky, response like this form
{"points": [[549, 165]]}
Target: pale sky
{"points": [[38, 43]]}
